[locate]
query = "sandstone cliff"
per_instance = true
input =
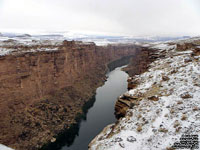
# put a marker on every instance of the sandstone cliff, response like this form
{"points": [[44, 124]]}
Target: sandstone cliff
{"points": [[138, 65], [43, 91]]}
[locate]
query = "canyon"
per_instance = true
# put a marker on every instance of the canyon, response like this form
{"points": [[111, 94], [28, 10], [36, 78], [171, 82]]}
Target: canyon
{"points": [[43, 87]]}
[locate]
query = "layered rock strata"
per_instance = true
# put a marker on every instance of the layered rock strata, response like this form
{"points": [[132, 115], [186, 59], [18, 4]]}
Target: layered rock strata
{"points": [[139, 64]]}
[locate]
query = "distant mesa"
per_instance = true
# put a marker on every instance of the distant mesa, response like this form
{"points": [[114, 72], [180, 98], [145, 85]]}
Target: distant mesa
{"points": [[51, 35], [9, 41], [24, 35], [69, 43], [186, 37]]}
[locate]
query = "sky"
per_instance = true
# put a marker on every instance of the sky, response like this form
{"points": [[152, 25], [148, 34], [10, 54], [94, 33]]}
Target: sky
{"points": [[111, 17]]}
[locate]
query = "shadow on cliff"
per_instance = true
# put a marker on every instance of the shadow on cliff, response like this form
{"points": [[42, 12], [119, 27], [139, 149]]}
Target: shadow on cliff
{"points": [[67, 137], [119, 62]]}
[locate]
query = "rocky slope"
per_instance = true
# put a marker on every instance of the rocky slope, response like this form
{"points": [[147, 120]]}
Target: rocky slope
{"points": [[162, 105], [43, 86]]}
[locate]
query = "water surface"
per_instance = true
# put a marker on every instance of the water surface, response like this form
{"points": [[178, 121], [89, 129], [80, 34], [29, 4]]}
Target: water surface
{"points": [[102, 112]]}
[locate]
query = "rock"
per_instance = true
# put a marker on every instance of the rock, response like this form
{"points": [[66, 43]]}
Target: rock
{"points": [[178, 129], [173, 71], [186, 95], [53, 140], [179, 102], [69, 43], [132, 84], [122, 145], [165, 78], [121, 108], [139, 128], [187, 60], [184, 117], [138, 65], [129, 97], [176, 124], [196, 52], [163, 130], [196, 108], [124, 103], [131, 139], [170, 148], [172, 111], [153, 98], [154, 130], [184, 46], [118, 139]]}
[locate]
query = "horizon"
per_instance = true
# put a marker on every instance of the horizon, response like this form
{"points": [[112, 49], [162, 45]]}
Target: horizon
{"points": [[83, 33]]}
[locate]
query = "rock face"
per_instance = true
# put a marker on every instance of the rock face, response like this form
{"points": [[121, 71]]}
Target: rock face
{"points": [[184, 46], [42, 92], [141, 60], [138, 65]]}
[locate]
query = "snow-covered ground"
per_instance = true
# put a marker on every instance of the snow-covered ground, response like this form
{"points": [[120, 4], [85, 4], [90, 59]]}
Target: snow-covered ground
{"points": [[157, 125], [3, 147], [29, 47]]}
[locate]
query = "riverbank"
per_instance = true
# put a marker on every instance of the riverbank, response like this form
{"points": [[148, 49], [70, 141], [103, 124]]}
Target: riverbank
{"points": [[162, 104]]}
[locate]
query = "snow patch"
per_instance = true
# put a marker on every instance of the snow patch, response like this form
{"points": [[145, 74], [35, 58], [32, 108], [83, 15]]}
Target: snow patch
{"points": [[3, 147]]}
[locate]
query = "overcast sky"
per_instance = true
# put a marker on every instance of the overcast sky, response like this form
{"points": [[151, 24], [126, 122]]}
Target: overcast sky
{"points": [[114, 17]]}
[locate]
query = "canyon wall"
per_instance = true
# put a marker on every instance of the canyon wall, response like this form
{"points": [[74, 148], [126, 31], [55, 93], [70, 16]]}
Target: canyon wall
{"points": [[138, 65], [42, 92]]}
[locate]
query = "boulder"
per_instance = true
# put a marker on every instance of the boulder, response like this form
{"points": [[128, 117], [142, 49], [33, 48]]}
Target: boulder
{"points": [[153, 98]]}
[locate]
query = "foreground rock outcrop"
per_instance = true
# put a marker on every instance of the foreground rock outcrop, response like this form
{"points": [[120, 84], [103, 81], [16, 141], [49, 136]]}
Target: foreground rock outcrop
{"points": [[162, 106], [43, 87], [139, 64]]}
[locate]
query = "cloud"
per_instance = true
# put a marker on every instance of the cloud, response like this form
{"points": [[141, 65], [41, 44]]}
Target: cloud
{"points": [[124, 17]]}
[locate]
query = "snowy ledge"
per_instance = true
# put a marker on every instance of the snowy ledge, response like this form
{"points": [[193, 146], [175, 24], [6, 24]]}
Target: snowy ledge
{"points": [[157, 125], [28, 46], [3, 147]]}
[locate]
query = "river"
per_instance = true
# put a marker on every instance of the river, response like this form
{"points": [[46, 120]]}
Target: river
{"points": [[102, 112]]}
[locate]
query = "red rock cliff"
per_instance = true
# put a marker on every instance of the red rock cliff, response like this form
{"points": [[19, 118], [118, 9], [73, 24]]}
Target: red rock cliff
{"points": [[42, 92], [139, 64]]}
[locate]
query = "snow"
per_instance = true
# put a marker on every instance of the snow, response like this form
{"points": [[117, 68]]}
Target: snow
{"points": [[164, 46], [3, 147], [5, 51], [162, 122], [161, 46], [145, 45], [187, 40], [12, 46]]}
